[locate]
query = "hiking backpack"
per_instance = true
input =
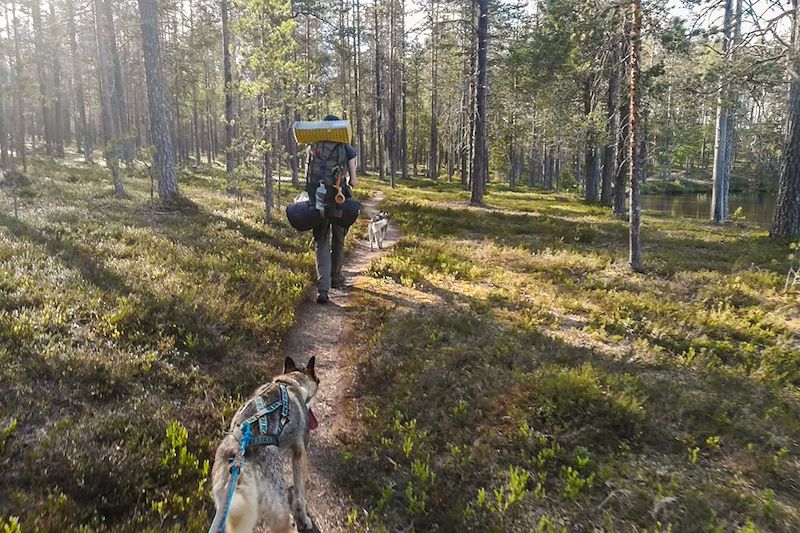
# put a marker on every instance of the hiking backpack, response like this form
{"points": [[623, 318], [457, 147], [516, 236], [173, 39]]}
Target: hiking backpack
{"points": [[327, 160]]}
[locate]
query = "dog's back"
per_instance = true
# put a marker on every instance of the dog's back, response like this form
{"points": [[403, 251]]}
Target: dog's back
{"points": [[260, 490]]}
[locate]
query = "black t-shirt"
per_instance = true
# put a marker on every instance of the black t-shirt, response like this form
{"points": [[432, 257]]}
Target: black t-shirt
{"points": [[351, 152]]}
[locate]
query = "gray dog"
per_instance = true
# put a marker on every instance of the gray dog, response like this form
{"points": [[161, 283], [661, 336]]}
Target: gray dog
{"points": [[280, 428]]}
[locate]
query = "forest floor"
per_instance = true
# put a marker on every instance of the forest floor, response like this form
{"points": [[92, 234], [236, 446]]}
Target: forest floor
{"points": [[514, 375], [500, 369]]}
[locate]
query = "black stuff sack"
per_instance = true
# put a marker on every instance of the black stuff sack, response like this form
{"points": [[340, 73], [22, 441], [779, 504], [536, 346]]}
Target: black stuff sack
{"points": [[303, 216], [347, 213]]}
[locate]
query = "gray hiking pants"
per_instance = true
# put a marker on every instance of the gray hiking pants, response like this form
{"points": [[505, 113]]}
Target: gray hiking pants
{"points": [[329, 243]]}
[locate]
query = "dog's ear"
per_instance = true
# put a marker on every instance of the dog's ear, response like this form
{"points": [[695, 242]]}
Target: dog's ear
{"points": [[288, 365], [309, 369]]}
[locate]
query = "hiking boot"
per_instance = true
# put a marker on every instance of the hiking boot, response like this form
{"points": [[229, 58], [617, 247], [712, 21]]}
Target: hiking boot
{"points": [[323, 298], [337, 283]]}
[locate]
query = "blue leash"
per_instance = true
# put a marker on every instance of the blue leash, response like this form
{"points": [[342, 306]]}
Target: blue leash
{"points": [[236, 467]]}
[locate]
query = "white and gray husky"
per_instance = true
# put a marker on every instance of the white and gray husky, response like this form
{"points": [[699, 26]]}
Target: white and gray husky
{"points": [[260, 492], [377, 230]]}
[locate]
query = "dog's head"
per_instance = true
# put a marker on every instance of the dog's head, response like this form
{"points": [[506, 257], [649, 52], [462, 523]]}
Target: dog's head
{"points": [[381, 216], [306, 377]]}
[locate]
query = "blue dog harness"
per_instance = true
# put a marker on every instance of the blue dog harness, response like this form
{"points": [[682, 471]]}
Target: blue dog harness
{"points": [[262, 415], [244, 435]]}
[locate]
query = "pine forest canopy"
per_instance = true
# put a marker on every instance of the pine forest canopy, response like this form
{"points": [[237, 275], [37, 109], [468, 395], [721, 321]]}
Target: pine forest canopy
{"points": [[534, 94]]}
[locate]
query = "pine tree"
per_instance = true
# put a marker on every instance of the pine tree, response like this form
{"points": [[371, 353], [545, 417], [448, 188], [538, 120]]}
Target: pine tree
{"points": [[163, 156]]}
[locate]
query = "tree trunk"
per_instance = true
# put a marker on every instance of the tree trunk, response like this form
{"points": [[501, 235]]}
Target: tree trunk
{"points": [[21, 156], [228, 75], [120, 108], [378, 98], [610, 153], [635, 257], [433, 148], [358, 89], [291, 147], [392, 126], [266, 162], [403, 107], [473, 69], [110, 126], [619, 208], [721, 174], [4, 161], [481, 165], [786, 220], [591, 178], [41, 75], [82, 129], [58, 113], [157, 103]]}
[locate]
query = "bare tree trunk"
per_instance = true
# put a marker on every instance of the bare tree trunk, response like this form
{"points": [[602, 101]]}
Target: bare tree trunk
{"points": [[266, 162], [120, 108], [433, 149], [786, 220], [157, 100], [473, 69], [610, 153], [734, 101], [358, 82], [210, 146], [403, 106], [82, 133], [291, 146], [591, 178], [195, 110], [378, 97], [41, 75], [58, 113], [623, 163], [635, 257], [228, 75], [21, 151], [481, 165], [721, 174], [5, 162], [110, 126], [392, 126]]}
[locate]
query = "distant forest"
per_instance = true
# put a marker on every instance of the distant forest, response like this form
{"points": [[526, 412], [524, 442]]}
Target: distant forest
{"points": [[531, 94]]}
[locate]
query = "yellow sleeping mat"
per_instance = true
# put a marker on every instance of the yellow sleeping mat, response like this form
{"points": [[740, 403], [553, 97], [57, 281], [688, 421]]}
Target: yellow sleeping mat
{"points": [[323, 130]]}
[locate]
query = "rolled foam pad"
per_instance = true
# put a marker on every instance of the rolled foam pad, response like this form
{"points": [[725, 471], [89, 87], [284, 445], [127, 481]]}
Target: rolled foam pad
{"points": [[323, 130], [350, 210], [303, 216]]}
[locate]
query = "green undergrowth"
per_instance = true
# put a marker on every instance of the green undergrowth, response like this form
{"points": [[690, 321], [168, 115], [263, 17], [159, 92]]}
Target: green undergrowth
{"points": [[127, 336], [516, 376]]}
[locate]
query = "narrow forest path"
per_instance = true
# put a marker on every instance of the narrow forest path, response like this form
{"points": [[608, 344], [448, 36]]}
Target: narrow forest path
{"points": [[325, 332]]}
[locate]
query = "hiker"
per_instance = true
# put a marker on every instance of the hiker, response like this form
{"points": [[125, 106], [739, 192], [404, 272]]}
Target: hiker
{"points": [[339, 159]]}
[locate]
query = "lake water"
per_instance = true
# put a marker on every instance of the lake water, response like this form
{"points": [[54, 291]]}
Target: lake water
{"points": [[756, 208]]}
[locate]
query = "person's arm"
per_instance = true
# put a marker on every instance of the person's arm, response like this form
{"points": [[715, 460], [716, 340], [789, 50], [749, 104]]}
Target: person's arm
{"points": [[351, 168]]}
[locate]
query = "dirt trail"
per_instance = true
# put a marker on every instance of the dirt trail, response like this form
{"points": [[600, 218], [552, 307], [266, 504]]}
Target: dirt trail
{"points": [[324, 331]]}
